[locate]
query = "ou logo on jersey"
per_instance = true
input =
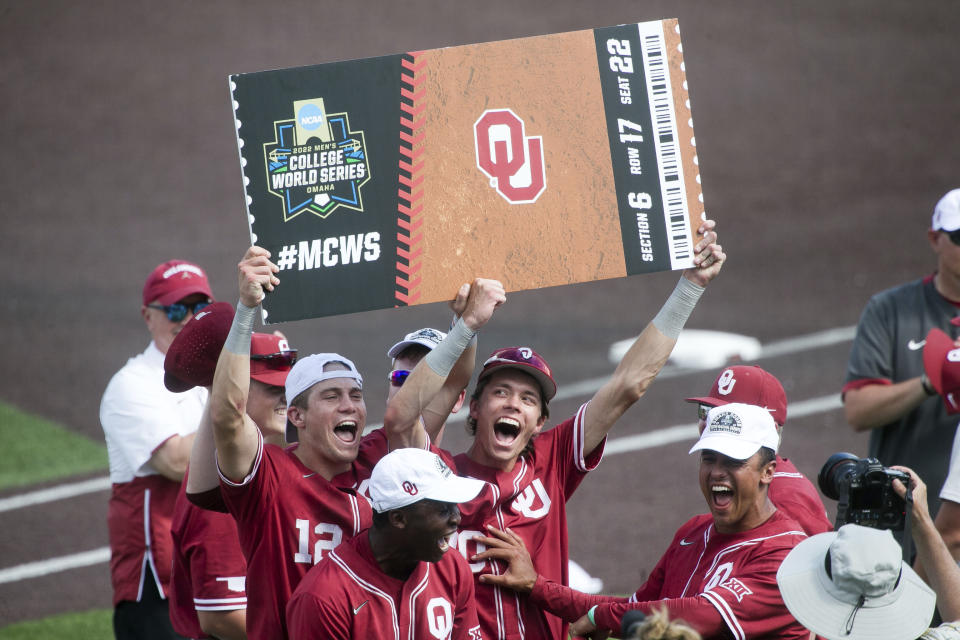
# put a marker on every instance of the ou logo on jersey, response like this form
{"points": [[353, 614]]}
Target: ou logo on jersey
{"points": [[533, 502], [440, 618], [513, 162]]}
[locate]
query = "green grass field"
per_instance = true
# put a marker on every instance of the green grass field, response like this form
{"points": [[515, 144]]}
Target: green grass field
{"points": [[38, 450], [89, 625]]}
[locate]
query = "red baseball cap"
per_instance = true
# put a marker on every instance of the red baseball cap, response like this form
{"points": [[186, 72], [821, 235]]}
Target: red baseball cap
{"points": [[192, 358], [173, 281], [748, 385], [525, 359], [271, 359], [941, 361], [193, 354]]}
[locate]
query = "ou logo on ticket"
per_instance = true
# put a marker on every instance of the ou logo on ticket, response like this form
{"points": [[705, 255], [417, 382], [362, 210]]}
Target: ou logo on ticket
{"points": [[512, 161]]}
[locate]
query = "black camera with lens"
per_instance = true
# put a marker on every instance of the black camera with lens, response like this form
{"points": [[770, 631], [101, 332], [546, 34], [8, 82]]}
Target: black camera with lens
{"points": [[863, 489]]}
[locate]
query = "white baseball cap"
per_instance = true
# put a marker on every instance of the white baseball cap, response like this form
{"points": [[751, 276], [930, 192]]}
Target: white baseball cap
{"points": [[738, 431], [309, 371], [426, 337], [852, 584], [405, 476], [946, 215]]}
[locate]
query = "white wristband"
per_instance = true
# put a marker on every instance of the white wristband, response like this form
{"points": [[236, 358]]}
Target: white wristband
{"points": [[678, 307], [442, 358], [238, 340]]}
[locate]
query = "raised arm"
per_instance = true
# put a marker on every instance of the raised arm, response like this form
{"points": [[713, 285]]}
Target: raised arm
{"points": [[234, 433], [650, 351], [402, 418], [933, 557]]}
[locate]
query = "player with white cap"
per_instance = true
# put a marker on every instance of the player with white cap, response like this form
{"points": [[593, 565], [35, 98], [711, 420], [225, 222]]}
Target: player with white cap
{"points": [[719, 573], [396, 579]]}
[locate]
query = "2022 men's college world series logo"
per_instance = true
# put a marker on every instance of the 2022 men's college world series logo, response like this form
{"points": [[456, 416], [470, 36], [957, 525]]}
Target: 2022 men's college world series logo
{"points": [[512, 161], [316, 163]]}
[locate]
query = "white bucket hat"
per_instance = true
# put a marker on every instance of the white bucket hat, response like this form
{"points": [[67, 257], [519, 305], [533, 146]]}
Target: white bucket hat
{"points": [[852, 584]]}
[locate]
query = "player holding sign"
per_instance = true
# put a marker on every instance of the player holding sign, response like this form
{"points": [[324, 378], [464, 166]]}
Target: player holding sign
{"points": [[534, 472]]}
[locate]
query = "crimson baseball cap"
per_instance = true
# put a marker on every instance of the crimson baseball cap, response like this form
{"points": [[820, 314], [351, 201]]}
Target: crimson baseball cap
{"points": [[405, 476], [748, 385], [192, 358], [271, 359], [173, 281], [193, 354], [941, 361], [524, 359], [946, 215]]}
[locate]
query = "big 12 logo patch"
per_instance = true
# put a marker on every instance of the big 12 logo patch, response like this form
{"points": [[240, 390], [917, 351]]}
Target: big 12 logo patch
{"points": [[513, 161]]}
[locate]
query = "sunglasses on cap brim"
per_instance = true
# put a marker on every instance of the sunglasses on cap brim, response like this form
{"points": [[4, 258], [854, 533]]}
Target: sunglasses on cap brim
{"points": [[279, 360], [397, 377]]}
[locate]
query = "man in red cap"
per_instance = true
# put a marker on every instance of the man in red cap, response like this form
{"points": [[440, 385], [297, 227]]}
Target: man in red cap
{"points": [[533, 472], [208, 581], [149, 431], [789, 490]]}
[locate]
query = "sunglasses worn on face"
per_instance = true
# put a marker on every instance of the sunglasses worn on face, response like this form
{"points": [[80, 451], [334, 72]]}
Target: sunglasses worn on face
{"points": [[279, 360], [954, 236], [702, 410], [178, 311], [398, 377]]}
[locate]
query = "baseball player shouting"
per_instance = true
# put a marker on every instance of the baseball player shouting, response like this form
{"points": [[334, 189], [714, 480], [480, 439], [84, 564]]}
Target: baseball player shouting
{"points": [[790, 490], [207, 582], [293, 506], [396, 579], [532, 471], [719, 574]]}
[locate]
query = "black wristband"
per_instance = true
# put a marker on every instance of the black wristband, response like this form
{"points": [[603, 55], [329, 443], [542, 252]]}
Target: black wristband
{"points": [[927, 387]]}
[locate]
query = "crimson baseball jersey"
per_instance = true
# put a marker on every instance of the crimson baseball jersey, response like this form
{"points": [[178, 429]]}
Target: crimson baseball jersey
{"points": [[794, 494], [888, 349], [721, 584], [531, 500], [289, 518], [209, 570], [347, 596]]}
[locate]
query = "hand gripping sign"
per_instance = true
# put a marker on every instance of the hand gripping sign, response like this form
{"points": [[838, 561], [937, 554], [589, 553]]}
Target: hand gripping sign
{"points": [[540, 161]]}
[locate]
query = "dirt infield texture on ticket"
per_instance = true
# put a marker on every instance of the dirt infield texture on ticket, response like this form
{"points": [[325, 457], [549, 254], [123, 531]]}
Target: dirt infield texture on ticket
{"points": [[538, 161]]}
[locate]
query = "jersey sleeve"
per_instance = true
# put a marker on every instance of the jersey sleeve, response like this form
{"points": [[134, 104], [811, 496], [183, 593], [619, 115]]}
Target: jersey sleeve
{"points": [[571, 461], [746, 602], [242, 498], [217, 567], [567, 604], [211, 500], [871, 357]]}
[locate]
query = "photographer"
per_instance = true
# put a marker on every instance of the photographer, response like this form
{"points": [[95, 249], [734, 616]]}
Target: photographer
{"points": [[943, 574]]}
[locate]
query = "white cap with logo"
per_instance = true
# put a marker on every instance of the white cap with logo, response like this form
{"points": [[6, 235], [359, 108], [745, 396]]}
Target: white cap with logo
{"points": [[405, 476], [946, 215], [738, 431], [425, 337]]}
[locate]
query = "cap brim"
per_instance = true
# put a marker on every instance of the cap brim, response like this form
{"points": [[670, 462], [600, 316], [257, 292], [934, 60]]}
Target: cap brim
{"points": [[806, 590], [398, 348], [547, 384], [731, 447], [175, 384], [710, 401], [179, 294], [456, 489], [273, 377]]}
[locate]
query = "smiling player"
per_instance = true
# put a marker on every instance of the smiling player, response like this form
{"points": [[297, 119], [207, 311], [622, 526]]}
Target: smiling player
{"points": [[720, 572]]}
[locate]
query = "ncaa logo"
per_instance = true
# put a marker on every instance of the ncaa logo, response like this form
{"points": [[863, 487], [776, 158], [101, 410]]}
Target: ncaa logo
{"points": [[512, 161]]}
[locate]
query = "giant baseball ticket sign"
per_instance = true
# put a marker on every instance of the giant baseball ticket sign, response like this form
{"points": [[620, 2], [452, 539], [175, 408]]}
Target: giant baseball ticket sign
{"points": [[539, 161]]}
